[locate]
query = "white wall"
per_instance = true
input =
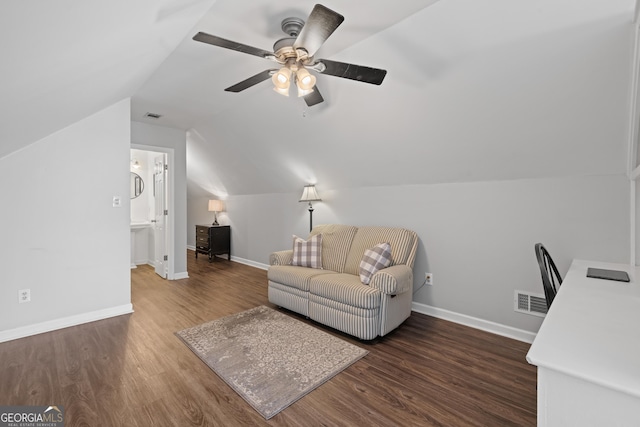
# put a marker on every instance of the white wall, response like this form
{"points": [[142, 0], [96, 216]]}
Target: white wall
{"points": [[175, 139], [260, 224], [476, 238], [61, 237]]}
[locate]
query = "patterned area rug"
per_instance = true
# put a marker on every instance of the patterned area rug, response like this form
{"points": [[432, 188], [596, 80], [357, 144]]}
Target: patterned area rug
{"points": [[269, 358]]}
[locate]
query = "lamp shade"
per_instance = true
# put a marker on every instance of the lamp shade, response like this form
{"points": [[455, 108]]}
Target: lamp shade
{"points": [[304, 79], [216, 206], [282, 78], [309, 194], [303, 92]]}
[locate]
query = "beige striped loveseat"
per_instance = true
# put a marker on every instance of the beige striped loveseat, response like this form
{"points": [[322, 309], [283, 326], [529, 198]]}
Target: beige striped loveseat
{"points": [[334, 295]]}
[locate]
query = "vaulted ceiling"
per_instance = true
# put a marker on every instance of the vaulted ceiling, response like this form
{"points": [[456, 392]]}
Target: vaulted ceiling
{"points": [[64, 60], [497, 89]]}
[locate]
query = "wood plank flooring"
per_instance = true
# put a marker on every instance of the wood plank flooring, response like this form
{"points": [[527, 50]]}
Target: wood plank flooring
{"points": [[133, 371]]}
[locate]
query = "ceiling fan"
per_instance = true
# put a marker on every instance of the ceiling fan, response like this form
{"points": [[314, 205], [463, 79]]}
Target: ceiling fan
{"points": [[296, 55]]}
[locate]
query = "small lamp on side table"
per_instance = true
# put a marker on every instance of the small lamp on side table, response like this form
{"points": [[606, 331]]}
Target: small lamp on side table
{"points": [[309, 194], [216, 206]]}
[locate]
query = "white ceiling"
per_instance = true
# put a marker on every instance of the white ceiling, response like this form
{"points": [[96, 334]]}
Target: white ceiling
{"points": [[476, 90]]}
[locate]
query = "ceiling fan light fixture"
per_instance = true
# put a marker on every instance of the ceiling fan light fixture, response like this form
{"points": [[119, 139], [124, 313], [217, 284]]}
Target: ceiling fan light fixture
{"points": [[305, 80], [282, 91], [304, 92], [282, 78]]}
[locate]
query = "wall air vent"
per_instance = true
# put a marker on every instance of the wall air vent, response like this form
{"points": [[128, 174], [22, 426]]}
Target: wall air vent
{"points": [[528, 303], [154, 116]]}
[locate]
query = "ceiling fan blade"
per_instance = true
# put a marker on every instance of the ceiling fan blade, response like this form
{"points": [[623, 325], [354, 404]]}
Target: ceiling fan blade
{"points": [[228, 44], [351, 71], [314, 97], [251, 81], [322, 22]]}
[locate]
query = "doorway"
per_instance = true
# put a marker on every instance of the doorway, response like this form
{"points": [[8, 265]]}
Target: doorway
{"points": [[151, 221]]}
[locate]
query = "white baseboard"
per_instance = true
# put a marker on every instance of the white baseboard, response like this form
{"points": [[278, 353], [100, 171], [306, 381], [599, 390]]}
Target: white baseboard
{"points": [[241, 260], [474, 322], [181, 275], [142, 262], [65, 322], [249, 262]]}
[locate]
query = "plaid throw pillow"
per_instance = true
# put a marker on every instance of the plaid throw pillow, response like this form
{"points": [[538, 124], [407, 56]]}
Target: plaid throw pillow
{"points": [[374, 259], [307, 253]]}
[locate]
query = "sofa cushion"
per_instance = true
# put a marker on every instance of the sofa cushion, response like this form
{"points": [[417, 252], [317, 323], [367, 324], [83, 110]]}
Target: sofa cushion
{"points": [[293, 276], [403, 245], [345, 288], [374, 259], [336, 242], [307, 253]]}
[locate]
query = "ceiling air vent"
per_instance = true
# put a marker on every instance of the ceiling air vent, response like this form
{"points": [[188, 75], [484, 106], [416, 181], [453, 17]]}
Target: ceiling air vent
{"points": [[154, 116], [528, 303]]}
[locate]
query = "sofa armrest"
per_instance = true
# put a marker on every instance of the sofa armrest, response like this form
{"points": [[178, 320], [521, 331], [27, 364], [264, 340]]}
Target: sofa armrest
{"points": [[281, 257], [393, 280]]}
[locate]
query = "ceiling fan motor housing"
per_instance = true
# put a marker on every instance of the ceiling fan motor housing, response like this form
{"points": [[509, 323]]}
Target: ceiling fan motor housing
{"points": [[292, 26], [283, 45], [283, 48]]}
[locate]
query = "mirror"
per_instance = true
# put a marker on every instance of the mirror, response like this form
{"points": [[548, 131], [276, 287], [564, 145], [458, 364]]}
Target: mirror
{"points": [[137, 185]]}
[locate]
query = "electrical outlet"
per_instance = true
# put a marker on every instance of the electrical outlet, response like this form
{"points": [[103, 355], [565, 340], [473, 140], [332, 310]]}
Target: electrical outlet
{"points": [[24, 295], [428, 279]]}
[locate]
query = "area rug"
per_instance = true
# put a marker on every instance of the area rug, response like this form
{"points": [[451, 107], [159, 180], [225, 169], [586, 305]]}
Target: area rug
{"points": [[269, 358]]}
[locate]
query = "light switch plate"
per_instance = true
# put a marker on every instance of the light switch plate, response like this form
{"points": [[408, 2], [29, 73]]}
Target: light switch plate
{"points": [[117, 202]]}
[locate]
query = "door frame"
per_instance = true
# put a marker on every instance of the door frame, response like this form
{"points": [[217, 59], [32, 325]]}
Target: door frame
{"points": [[170, 203]]}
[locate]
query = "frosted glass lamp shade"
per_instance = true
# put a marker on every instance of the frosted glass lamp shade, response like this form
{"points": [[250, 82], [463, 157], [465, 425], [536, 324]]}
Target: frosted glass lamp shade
{"points": [[281, 81], [305, 80]]}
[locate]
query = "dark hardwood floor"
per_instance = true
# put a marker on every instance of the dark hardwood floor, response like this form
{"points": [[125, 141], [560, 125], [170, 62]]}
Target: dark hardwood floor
{"points": [[133, 371]]}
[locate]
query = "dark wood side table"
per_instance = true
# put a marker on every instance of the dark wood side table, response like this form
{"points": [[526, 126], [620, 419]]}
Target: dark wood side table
{"points": [[213, 240]]}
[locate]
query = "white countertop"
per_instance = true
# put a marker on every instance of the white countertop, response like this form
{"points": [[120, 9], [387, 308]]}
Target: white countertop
{"points": [[592, 330]]}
